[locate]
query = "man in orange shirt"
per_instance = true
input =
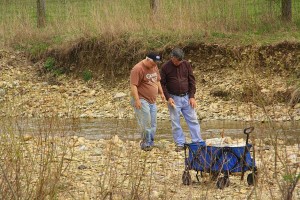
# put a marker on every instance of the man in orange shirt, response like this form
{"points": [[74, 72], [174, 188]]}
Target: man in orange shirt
{"points": [[145, 87]]}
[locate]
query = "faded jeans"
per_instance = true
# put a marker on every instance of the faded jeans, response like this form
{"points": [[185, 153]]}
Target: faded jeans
{"points": [[146, 117], [182, 106]]}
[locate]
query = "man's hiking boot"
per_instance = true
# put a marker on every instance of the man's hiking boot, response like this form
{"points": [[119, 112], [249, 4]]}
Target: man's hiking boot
{"points": [[179, 148], [147, 148]]}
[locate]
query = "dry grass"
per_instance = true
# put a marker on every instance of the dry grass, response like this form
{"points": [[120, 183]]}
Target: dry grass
{"points": [[32, 164], [44, 166], [68, 20]]}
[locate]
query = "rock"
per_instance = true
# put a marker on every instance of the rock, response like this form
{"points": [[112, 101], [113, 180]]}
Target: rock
{"points": [[2, 93], [155, 194], [83, 148], [27, 137], [81, 140], [116, 140], [90, 101], [119, 95], [92, 93], [220, 92], [265, 91], [81, 167], [214, 106], [297, 106]]}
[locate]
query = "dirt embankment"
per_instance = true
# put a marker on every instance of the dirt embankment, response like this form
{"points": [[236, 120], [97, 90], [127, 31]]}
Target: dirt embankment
{"points": [[234, 82], [118, 56]]}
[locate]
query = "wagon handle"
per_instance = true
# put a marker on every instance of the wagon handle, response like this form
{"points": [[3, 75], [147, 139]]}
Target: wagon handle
{"points": [[247, 131]]}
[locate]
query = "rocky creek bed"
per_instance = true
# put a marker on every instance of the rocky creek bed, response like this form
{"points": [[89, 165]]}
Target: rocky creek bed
{"points": [[25, 92], [117, 169]]}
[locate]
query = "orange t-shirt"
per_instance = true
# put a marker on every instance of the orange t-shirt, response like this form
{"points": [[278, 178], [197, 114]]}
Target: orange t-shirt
{"points": [[146, 81]]}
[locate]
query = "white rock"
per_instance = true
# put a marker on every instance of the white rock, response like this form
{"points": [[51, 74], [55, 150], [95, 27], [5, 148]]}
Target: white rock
{"points": [[83, 148], [90, 101], [119, 95], [2, 92]]}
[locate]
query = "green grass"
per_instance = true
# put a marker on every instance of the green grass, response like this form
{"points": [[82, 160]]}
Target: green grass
{"points": [[176, 20]]}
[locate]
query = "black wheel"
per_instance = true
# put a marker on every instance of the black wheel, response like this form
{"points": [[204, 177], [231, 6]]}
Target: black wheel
{"points": [[223, 182], [214, 176], [251, 178], [186, 178]]}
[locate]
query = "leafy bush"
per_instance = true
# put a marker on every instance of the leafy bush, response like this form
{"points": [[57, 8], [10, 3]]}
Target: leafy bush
{"points": [[49, 64], [87, 75]]}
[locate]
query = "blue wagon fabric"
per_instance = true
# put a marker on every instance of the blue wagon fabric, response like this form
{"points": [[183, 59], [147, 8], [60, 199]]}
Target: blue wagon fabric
{"points": [[218, 159]]}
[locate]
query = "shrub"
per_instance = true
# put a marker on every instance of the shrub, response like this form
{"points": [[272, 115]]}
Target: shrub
{"points": [[87, 75], [49, 64]]}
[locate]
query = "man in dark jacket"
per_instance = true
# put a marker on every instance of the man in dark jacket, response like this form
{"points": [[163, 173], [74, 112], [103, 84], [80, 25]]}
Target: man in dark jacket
{"points": [[178, 84]]}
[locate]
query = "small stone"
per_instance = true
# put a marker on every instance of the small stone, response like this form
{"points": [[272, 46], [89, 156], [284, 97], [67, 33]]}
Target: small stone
{"points": [[81, 167], [119, 95], [27, 137]]}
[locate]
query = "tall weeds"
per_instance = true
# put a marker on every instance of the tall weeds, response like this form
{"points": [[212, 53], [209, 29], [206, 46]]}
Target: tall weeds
{"points": [[31, 163], [73, 19], [278, 169]]}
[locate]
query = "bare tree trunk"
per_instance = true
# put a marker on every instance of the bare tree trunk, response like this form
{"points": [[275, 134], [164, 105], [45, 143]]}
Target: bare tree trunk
{"points": [[41, 13], [154, 6], [154, 9], [286, 10]]}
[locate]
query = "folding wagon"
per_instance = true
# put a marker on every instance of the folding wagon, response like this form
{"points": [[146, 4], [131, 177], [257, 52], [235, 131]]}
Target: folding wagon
{"points": [[219, 159]]}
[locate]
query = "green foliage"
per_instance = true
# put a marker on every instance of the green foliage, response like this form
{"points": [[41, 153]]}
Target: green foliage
{"points": [[58, 71], [37, 48], [87, 75], [57, 39], [291, 177], [50, 64], [19, 47], [218, 35]]}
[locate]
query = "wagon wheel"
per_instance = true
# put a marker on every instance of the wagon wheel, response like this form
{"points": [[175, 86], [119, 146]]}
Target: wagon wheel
{"points": [[223, 182], [251, 178], [214, 175], [186, 178]]}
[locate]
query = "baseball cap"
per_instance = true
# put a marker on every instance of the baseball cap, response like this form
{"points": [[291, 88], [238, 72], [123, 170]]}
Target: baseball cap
{"points": [[154, 56]]}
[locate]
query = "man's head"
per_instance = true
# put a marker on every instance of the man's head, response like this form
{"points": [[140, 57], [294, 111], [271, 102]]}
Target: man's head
{"points": [[177, 56], [153, 56], [152, 59]]}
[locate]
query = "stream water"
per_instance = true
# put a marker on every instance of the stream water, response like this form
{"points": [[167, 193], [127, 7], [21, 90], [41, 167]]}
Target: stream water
{"points": [[127, 129]]}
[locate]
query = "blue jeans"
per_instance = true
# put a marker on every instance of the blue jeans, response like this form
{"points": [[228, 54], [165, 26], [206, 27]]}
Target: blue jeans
{"points": [[182, 106], [146, 117]]}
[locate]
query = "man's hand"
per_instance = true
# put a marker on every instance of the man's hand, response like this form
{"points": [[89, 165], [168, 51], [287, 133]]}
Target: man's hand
{"points": [[138, 104], [193, 102], [171, 102], [163, 98]]}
